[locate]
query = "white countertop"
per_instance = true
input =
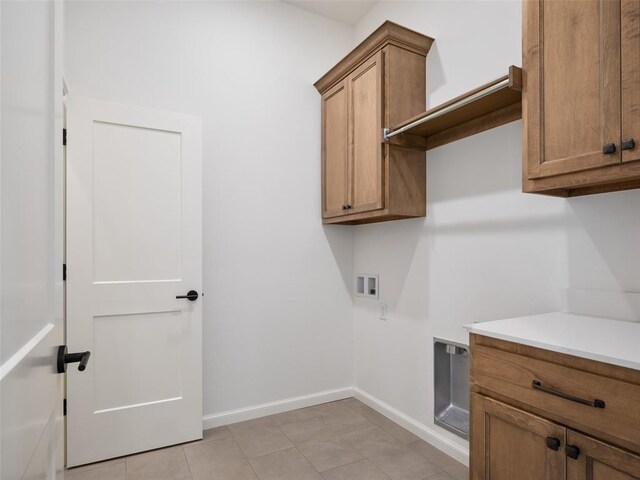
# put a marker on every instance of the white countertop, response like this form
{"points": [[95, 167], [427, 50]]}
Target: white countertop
{"points": [[602, 339]]}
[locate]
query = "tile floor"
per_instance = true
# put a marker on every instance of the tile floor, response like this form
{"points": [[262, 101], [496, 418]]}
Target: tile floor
{"points": [[344, 440]]}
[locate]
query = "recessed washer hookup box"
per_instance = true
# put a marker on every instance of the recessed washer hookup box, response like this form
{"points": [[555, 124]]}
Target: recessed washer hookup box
{"points": [[451, 386]]}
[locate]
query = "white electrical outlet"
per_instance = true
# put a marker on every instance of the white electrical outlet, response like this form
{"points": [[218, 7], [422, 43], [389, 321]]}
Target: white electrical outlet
{"points": [[382, 310]]}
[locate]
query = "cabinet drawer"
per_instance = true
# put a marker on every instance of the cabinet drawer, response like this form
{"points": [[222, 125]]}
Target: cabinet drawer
{"points": [[561, 393]]}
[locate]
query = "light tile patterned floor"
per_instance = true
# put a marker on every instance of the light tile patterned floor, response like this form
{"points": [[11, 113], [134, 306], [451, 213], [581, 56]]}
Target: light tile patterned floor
{"points": [[344, 440]]}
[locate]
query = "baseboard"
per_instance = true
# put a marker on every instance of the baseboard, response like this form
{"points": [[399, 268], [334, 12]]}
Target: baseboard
{"points": [[426, 433], [257, 411]]}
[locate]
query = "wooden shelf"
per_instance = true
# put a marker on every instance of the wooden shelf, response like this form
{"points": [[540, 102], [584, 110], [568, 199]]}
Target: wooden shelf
{"points": [[483, 108]]}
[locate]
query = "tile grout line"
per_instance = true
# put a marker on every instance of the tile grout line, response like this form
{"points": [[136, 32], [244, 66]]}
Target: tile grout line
{"points": [[186, 460], [443, 469], [337, 434], [400, 445]]}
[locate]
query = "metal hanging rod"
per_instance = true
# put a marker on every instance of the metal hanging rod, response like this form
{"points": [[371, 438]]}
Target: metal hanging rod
{"points": [[387, 133]]}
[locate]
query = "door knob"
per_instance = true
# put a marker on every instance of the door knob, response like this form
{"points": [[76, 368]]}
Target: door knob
{"points": [[553, 443], [64, 358], [628, 144], [609, 148], [572, 451], [191, 295]]}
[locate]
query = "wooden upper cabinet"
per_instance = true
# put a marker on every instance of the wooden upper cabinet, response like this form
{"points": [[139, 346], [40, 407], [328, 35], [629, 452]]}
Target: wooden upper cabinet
{"points": [[380, 82], [575, 101], [508, 443], [581, 96], [630, 53], [598, 461], [365, 165], [334, 150]]}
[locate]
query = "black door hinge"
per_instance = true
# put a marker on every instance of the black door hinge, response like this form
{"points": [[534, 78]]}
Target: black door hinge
{"points": [[64, 136], [64, 407], [64, 272]]}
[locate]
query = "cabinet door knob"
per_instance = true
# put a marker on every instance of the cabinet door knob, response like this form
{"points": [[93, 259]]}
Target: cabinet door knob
{"points": [[572, 451], [349, 207], [553, 443], [628, 144], [609, 148], [344, 207]]}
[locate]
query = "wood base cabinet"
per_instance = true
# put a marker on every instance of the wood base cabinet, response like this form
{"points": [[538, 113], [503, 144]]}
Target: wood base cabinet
{"points": [[540, 415], [599, 461], [381, 82], [581, 96], [508, 443]]}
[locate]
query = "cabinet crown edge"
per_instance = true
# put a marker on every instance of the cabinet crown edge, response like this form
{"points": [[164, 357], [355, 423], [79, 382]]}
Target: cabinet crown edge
{"points": [[387, 33]]}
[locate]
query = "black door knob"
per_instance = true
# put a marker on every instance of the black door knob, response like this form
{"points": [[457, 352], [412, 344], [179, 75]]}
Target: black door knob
{"points": [[191, 295], [553, 443], [609, 148], [628, 144], [572, 451], [64, 358]]}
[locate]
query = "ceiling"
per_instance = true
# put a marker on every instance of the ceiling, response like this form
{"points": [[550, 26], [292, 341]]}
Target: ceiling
{"points": [[345, 11]]}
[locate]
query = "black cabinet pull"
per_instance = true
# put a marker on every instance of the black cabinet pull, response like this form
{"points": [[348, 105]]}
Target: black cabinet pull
{"points": [[537, 385], [628, 144], [572, 451], [191, 295], [609, 148], [64, 358], [553, 443], [349, 207]]}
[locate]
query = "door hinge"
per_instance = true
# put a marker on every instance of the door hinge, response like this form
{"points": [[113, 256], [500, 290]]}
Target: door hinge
{"points": [[64, 136], [64, 407], [64, 272]]}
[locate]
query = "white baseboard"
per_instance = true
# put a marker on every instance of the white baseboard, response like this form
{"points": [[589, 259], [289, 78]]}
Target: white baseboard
{"points": [[286, 405], [426, 433]]}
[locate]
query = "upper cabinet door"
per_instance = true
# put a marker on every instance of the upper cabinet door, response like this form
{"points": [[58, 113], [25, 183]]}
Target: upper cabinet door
{"points": [[598, 461], [365, 159], [334, 151], [571, 56], [630, 80]]}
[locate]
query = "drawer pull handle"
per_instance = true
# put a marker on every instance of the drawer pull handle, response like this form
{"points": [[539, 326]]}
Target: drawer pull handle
{"points": [[537, 385]]}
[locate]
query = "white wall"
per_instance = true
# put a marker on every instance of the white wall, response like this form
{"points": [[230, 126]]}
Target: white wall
{"points": [[604, 255], [604, 242], [277, 314], [485, 251]]}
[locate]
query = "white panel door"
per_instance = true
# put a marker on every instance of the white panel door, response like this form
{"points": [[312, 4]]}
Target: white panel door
{"points": [[134, 244], [31, 318]]}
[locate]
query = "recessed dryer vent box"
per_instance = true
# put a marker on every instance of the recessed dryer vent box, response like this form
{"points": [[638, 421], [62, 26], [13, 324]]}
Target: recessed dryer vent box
{"points": [[451, 386], [367, 285]]}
